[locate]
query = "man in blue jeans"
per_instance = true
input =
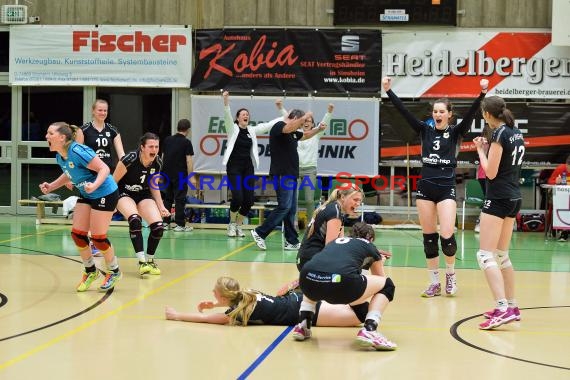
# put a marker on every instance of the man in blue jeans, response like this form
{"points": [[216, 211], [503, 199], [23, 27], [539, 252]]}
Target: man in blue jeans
{"points": [[284, 170]]}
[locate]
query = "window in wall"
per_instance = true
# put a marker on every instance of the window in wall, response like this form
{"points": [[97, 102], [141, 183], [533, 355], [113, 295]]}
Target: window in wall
{"points": [[42, 106], [34, 174], [135, 111], [5, 113], [4, 50]]}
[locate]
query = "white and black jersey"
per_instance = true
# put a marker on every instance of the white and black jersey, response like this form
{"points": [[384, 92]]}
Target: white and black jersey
{"points": [[315, 243], [439, 147], [136, 179], [100, 142], [505, 185]]}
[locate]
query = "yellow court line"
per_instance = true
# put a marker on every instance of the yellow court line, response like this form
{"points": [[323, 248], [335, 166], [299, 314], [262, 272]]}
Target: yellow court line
{"points": [[88, 324], [31, 235]]}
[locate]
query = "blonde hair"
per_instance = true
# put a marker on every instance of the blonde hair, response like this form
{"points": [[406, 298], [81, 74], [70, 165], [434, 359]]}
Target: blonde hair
{"points": [[242, 301], [334, 196], [68, 130]]}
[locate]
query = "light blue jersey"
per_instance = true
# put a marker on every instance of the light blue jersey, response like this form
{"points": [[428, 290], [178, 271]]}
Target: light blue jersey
{"points": [[75, 168]]}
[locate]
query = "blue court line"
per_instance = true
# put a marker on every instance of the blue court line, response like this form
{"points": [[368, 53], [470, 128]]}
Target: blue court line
{"points": [[265, 353]]}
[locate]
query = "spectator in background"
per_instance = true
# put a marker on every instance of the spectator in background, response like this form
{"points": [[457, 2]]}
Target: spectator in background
{"points": [[100, 135], [557, 177], [284, 170], [241, 158], [308, 155], [177, 165]]}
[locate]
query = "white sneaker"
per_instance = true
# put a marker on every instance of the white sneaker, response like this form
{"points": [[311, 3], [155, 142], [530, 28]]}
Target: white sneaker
{"points": [[291, 247], [182, 229], [239, 231], [258, 240], [232, 230]]}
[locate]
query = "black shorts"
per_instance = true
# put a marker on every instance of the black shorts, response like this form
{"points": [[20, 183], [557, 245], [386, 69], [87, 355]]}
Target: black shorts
{"points": [[502, 208], [137, 197], [106, 203], [332, 288], [430, 191]]}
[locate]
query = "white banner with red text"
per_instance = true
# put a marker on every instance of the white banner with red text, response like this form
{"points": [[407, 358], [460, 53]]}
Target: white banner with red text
{"points": [[350, 143], [451, 64], [561, 207], [105, 55]]}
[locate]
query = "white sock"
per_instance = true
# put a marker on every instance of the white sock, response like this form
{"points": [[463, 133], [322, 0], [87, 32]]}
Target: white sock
{"points": [[141, 257], [434, 276], [450, 268], [502, 304]]}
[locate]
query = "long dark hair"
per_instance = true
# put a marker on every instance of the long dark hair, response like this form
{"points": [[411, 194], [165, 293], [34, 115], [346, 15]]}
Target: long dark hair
{"points": [[497, 107]]}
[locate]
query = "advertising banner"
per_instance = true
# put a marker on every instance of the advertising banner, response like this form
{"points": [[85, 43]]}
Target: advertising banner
{"points": [[561, 207], [546, 129], [450, 64], [276, 60], [350, 143], [106, 55]]}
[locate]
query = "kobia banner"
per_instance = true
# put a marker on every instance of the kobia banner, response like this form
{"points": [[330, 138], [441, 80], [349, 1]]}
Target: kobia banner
{"points": [[295, 60], [349, 144]]}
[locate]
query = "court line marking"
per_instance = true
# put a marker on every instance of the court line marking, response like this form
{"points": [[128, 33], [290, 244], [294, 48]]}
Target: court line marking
{"points": [[455, 335], [265, 353], [111, 313]]}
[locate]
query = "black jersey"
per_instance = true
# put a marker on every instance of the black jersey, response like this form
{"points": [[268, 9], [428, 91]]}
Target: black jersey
{"points": [[439, 147], [136, 179], [100, 142], [279, 311], [344, 256], [283, 146], [505, 185], [315, 243]]}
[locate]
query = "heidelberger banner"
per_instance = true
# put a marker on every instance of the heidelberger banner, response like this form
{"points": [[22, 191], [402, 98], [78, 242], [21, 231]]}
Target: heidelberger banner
{"points": [[350, 143], [451, 64], [106, 55], [275, 60], [546, 130]]}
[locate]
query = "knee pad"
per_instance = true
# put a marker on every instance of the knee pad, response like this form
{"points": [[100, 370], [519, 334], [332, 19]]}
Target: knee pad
{"points": [[430, 245], [389, 289], [486, 259], [101, 242], [135, 224], [80, 238], [156, 230], [449, 245], [360, 311], [503, 259]]}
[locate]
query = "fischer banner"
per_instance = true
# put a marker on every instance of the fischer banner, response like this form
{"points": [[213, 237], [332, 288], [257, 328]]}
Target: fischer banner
{"points": [[451, 64], [106, 55], [275, 60], [350, 143], [546, 130]]}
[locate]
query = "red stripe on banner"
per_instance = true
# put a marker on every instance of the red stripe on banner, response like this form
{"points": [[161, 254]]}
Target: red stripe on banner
{"points": [[400, 151], [529, 142], [503, 45]]}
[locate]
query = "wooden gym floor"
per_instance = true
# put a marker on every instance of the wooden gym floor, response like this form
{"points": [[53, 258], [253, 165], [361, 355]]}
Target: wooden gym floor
{"points": [[47, 330]]}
